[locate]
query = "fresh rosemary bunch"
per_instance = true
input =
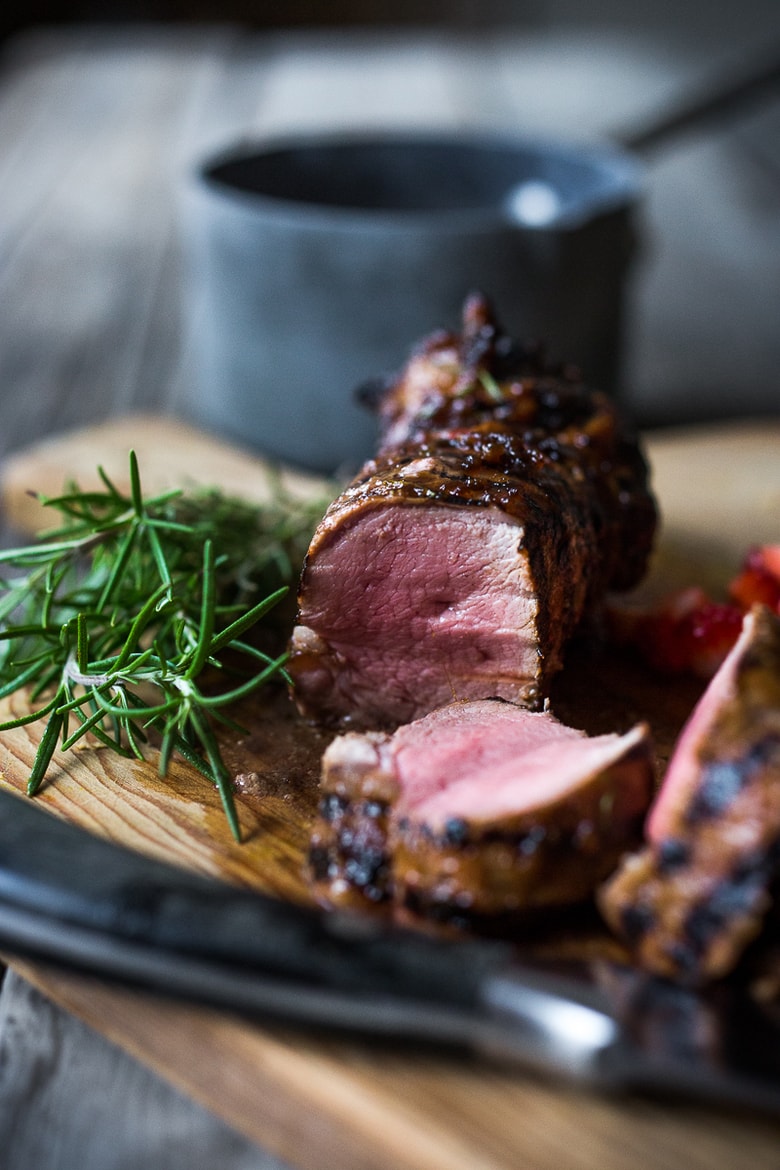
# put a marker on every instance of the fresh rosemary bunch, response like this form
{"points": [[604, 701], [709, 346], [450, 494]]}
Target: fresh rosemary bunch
{"points": [[115, 619]]}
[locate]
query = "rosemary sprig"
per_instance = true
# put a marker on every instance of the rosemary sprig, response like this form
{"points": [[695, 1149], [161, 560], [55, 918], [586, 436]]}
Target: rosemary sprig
{"points": [[114, 619]]}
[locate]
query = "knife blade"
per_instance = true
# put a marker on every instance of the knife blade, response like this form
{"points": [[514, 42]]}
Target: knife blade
{"points": [[71, 898]]}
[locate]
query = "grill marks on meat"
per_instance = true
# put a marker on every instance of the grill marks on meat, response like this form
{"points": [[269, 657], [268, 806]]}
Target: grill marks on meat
{"points": [[478, 810], [504, 501], [349, 854], [692, 900], [561, 819]]}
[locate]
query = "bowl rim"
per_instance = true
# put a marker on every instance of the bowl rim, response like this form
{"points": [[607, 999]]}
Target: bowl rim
{"points": [[624, 171]]}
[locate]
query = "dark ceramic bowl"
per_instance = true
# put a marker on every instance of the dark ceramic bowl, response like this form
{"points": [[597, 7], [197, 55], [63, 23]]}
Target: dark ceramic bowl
{"points": [[317, 264]]}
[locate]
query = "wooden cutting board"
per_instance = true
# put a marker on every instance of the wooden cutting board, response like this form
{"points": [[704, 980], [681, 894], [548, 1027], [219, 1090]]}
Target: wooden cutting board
{"points": [[336, 1103]]}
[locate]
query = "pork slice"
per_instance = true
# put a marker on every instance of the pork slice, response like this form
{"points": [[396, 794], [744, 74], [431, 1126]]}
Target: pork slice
{"points": [[693, 899], [504, 501], [479, 808], [430, 755], [538, 830], [408, 608], [349, 859], [418, 590]]}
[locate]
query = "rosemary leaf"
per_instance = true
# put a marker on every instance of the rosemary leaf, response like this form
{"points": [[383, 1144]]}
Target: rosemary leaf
{"points": [[117, 612], [202, 649], [221, 774], [46, 749]]}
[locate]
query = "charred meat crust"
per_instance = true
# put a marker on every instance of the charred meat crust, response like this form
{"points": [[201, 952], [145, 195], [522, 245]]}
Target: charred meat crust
{"points": [[552, 856], [475, 425], [556, 531], [493, 407], [349, 858], [692, 919], [693, 899], [366, 850]]}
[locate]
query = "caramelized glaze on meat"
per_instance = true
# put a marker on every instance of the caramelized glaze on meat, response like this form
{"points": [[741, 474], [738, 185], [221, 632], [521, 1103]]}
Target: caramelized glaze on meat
{"points": [[691, 901], [477, 810], [505, 500]]}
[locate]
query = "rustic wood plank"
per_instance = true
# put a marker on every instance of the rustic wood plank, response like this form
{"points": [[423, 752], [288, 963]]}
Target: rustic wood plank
{"points": [[98, 132], [75, 288], [719, 492], [92, 322], [171, 454], [126, 1115], [179, 818], [356, 1105], [349, 1103], [92, 277], [548, 80]]}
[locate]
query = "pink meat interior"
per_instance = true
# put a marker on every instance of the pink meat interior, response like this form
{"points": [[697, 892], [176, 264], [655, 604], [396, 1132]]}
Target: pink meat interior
{"points": [[421, 605], [469, 742], [533, 780], [682, 773]]}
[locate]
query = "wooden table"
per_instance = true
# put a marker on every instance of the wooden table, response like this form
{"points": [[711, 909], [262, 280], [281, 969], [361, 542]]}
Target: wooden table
{"points": [[96, 131]]}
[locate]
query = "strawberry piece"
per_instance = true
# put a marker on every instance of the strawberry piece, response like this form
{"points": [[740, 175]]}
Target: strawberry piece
{"points": [[706, 635], [690, 633], [687, 633], [758, 581]]}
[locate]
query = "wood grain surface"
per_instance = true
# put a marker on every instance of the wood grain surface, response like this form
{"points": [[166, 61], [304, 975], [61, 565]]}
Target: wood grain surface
{"points": [[171, 454], [348, 1106], [99, 130], [321, 1103]]}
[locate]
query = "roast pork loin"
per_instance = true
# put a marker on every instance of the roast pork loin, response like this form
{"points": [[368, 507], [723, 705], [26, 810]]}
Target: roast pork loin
{"points": [[692, 900], [504, 502], [480, 808]]}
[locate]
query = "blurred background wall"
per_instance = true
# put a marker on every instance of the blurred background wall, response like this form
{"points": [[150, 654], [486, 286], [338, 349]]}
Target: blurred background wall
{"points": [[704, 340]]}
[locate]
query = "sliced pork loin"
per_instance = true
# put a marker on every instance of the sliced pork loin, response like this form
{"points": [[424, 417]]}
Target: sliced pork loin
{"points": [[480, 808], [691, 901], [504, 502], [349, 851]]}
